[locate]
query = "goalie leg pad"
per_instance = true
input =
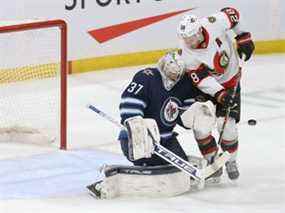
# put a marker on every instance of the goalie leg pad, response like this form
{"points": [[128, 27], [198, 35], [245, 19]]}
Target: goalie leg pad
{"points": [[151, 181], [154, 181]]}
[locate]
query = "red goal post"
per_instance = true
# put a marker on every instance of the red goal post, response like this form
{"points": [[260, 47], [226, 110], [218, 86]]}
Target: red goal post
{"points": [[15, 75]]}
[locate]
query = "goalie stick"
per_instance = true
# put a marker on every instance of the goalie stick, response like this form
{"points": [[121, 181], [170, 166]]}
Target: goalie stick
{"points": [[172, 158]]}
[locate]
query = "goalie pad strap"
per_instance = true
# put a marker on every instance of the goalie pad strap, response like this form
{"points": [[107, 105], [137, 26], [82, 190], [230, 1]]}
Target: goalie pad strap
{"points": [[140, 170]]}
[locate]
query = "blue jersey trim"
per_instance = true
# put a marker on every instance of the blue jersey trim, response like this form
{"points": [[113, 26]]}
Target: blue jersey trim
{"points": [[133, 101]]}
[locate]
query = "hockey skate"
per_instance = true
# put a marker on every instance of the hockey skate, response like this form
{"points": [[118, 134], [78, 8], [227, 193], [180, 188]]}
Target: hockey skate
{"points": [[232, 169], [95, 189], [106, 188]]}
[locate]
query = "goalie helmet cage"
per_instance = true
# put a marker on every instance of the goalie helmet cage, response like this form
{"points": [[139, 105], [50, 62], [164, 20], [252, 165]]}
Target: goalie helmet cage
{"points": [[41, 77]]}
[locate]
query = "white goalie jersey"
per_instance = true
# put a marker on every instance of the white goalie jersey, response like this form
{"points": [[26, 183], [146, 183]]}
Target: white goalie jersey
{"points": [[217, 55]]}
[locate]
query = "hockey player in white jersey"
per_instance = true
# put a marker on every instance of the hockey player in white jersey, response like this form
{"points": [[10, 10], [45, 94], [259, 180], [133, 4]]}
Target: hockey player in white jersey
{"points": [[212, 62]]}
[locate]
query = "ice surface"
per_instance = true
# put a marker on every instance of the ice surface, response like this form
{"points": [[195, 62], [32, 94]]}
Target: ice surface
{"points": [[36, 178]]}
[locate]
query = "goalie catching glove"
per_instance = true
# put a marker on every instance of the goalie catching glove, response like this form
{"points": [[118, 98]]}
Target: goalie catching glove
{"points": [[142, 133]]}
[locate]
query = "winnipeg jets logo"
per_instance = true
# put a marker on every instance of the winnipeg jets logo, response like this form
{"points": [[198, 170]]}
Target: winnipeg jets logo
{"points": [[170, 111]]}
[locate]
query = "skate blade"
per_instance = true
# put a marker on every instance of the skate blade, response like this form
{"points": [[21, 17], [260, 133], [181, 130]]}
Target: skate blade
{"points": [[90, 192]]}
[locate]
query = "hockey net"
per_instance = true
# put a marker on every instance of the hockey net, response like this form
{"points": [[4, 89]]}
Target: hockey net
{"points": [[33, 69]]}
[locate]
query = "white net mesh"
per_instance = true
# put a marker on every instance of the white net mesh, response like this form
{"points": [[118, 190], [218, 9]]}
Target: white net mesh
{"points": [[30, 83]]}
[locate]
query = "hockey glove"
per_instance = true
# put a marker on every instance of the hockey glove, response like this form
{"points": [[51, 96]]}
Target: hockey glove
{"points": [[225, 98], [142, 133], [245, 45]]}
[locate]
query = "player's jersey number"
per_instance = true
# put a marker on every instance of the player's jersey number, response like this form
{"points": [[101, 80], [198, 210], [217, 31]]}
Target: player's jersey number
{"points": [[134, 88], [195, 77]]}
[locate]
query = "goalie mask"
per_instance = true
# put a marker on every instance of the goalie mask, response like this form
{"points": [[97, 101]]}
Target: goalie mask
{"points": [[171, 68]]}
